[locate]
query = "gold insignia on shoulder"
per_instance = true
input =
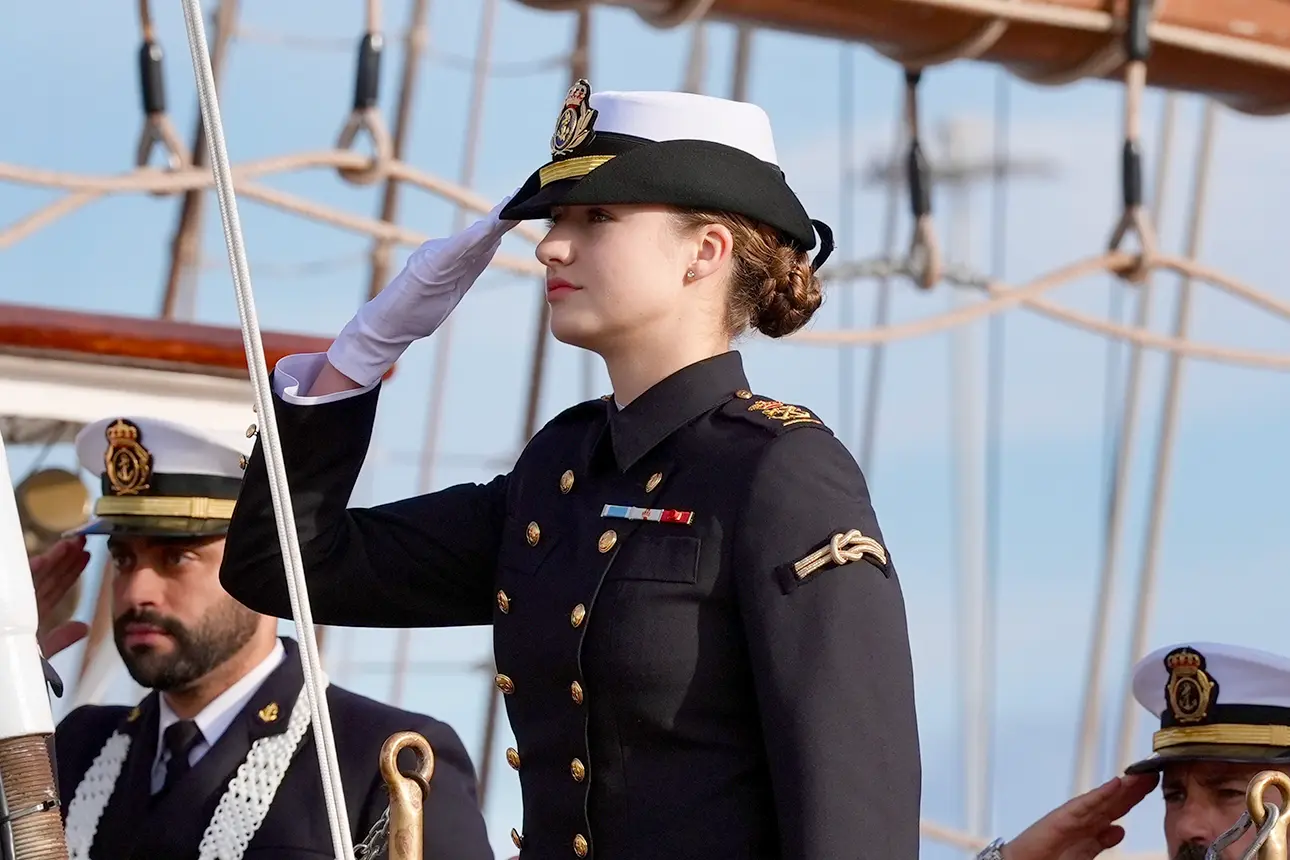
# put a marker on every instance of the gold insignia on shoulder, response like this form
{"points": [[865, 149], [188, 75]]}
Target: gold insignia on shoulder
{"points": [[842, 548], [577, 118], [1190, 690], [133, 715], [783, 412], [127, 463], [268, 713]]}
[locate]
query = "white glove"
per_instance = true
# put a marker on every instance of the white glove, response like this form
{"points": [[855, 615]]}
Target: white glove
{"points": [[418, 300]]}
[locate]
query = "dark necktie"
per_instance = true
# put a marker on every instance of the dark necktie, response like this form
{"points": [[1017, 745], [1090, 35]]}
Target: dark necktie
{"points": [[179, 738]]}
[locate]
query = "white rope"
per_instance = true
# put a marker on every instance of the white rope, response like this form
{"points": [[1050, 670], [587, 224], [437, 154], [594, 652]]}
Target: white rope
{"points": [[333, 791]]}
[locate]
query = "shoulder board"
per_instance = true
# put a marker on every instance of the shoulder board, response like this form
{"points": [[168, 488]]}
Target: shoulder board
{"points": [[773, 415], [581, 411], [96, 722]]}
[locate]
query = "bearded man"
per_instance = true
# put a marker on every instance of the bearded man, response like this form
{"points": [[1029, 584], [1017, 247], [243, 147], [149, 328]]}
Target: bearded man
{"points": [[1224, 714], [227, 715]]}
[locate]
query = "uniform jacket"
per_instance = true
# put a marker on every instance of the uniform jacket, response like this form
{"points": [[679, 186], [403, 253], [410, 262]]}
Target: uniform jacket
{"points": [[675, 689], [296, 825]]}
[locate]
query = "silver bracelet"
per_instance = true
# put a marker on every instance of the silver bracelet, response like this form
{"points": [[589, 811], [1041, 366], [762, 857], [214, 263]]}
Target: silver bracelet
{"points": [[993, 851]]}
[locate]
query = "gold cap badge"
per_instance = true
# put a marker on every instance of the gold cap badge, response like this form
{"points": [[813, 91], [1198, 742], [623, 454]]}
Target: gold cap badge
{"points": [[577, 118], [127, 464], [1190, 690]]}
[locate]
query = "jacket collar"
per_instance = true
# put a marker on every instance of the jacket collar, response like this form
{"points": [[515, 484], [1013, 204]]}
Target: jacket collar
{"points": [[266, 710], [669, 405]]}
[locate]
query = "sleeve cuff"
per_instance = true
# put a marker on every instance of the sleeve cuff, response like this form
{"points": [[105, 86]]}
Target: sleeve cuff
{"points": [[295, 373]]}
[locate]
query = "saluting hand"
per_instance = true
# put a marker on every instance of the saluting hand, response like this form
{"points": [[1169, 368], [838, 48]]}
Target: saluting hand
{"points": [[418, 300], [1083, 827], [53, 573]]}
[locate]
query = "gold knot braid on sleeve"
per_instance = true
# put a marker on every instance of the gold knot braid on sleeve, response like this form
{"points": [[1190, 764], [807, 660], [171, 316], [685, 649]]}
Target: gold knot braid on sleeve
{"points": [[842, 548]]}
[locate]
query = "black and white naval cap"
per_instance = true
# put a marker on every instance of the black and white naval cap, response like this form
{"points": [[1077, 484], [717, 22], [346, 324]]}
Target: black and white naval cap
{"points": [[160, 478], [667, 148], [1215, 702]]}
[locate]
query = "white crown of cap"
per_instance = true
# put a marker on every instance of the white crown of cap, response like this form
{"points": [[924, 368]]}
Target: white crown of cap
{"points": [[1245, 676], [661, 116], [175, 448]]}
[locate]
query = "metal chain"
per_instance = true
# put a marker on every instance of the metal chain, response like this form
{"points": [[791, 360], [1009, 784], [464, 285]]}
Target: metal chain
{"points": [[377, 839], [1243, 824]]}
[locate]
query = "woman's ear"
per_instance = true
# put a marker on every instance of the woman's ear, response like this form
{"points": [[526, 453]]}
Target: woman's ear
{"points": [[715, 245]]}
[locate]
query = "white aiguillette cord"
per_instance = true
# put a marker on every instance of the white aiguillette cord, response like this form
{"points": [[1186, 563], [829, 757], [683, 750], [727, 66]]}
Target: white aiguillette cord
{"points": [[333, 790]]}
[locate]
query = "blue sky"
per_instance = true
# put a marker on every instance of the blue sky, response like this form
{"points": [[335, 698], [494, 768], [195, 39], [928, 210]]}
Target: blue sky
{"points": [[1224, 543]]}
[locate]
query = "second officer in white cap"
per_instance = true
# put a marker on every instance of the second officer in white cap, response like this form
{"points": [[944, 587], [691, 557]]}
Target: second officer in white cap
{"points": [[226, 719]]}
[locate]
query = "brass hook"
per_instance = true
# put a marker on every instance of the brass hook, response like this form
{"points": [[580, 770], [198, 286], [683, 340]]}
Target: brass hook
{"points": [[407, 794], [1277, 845]]}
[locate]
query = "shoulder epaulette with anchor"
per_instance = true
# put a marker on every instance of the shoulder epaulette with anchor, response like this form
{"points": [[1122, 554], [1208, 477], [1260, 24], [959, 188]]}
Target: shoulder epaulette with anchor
{"points": [[773, 415]]}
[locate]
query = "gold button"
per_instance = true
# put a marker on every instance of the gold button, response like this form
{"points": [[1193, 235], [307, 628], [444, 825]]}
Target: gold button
{"points": [[566, 482], [654, 480], [580, 845], [513, 757], [250, 431], [578, 769], [517, 838], [607, 540], [743, 394], [575, 689], [533, 533], [579, 612], [505, 684], [241, 462], [503, 602]]}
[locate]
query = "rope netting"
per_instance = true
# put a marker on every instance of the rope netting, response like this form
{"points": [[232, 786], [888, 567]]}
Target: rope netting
{"points": [[922, 264]]}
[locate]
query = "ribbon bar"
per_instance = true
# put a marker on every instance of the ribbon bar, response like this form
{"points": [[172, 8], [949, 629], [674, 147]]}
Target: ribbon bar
{"points": [[656, 515]]}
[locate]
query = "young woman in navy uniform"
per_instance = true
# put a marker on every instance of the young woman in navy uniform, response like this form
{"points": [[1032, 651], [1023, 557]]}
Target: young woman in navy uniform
{"points": [[698, 629]]}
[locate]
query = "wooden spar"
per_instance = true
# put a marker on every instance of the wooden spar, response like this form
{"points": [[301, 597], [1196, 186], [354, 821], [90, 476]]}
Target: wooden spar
{"points": [[60, 369], [1234, 51], [139, 341]]}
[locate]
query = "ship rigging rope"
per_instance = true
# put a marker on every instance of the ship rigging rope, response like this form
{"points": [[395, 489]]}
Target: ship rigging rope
{"points": [[1002, 297], [333, 789], [157, 130]]}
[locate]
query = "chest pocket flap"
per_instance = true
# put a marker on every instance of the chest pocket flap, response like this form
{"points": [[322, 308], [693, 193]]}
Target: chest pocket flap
{"points": [[656, 557]]}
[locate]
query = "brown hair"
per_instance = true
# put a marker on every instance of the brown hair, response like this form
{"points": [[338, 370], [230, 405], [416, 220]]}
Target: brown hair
{"points": [[772, 286]]}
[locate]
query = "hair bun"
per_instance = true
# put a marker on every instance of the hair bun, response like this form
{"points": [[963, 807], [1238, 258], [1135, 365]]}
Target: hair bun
{"points": [[790, 296]]}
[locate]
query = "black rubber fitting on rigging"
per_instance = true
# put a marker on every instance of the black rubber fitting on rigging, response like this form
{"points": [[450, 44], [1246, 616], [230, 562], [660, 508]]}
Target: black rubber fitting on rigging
{"points": [[1131, 173], [920, 191], [1137, 42], [152, 84], [367, 82]]}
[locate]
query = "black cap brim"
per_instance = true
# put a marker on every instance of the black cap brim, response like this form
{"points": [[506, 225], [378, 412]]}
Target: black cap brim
{"points": [[1221, 753], [536, 204], [139, 526]]}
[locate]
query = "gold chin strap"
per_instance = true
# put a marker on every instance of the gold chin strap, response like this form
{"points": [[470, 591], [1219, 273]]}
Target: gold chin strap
{"points": [[191, 507], [570, 168]]}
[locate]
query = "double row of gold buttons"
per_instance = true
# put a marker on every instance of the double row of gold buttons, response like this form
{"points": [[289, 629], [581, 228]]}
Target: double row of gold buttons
{"points": [[533, 534]]}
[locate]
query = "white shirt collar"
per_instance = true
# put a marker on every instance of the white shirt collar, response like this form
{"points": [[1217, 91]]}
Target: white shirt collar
{"points": [[216, 717]]}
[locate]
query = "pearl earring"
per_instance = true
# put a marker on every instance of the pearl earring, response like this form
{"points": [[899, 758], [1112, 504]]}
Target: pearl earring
{"points": [[690, 274]]}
